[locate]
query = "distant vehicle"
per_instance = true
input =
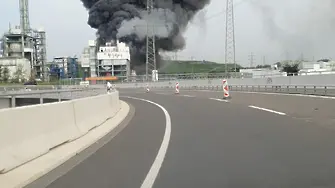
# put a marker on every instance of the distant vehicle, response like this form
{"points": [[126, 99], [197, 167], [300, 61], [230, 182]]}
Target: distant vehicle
{"points": [[31, 82]]}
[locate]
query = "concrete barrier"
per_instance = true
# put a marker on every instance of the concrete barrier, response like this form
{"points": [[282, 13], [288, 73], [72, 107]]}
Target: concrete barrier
{"points": [[91, 113], [31, 131]]}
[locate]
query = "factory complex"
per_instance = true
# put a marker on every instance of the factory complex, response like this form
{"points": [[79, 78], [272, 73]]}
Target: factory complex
{"points": [[23, 56]]}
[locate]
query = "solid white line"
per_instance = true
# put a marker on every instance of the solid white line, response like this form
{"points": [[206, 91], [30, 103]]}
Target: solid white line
{"points": [[155, 167], [221, 100], [268, 110]]}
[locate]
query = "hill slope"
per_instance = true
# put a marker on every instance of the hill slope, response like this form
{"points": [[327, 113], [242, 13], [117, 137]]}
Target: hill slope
{"points": [[174, 67]]}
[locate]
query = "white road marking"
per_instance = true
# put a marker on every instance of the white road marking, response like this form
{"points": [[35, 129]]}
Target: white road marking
{"points": [[187, 95], [286, 94], [153, 172], [267, 93], [221, 100], [268, 110], [163, 93]]}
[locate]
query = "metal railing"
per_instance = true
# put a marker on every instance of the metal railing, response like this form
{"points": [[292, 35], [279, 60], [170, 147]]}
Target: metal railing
{"points": [[287, 89], [188, 76], [60, 94]]}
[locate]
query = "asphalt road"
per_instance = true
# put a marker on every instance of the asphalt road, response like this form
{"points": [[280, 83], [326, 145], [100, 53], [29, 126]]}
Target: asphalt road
{"points": [[253, 140]]}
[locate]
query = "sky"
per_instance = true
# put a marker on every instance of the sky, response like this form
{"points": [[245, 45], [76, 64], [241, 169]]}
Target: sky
{"points": [[271, 30]]}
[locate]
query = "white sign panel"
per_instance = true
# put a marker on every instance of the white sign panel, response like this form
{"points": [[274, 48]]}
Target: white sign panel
{"points": [[109, 62], [84, 83], [108, 49], [113, 55]]}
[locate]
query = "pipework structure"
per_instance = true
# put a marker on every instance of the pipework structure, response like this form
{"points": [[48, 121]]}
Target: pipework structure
{"points": [[23, 42]]}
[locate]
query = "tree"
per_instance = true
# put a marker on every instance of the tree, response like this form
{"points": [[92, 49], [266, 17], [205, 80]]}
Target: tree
{"points": [[18, 75], [290, 67], [5, 74]]}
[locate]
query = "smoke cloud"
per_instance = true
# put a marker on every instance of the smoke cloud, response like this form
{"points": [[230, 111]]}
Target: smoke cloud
{"points": [[302, 26], [127, 20]]}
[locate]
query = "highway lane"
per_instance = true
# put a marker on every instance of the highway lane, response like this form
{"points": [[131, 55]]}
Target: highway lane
{"points": [[213, 144], [317, 110], [218, 144], [123, 161]]}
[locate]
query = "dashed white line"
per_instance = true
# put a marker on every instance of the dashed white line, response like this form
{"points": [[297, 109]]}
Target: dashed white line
{"points": [[268, 110], [267, 93], [187, 95], [155, 167], [221, 100], [163, 93]]}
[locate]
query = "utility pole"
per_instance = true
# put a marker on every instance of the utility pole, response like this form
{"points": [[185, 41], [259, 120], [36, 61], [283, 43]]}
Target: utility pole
{"points": [[230, 36], [150, 48], [151, 64], [264, 60], [251, 59]]}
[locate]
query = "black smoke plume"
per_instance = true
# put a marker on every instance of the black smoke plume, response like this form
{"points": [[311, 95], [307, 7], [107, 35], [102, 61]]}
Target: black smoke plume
{"points": [[126, 20]]}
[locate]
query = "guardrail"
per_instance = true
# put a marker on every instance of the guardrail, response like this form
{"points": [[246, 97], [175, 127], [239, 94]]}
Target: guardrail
{"points": [[56, 94], [31, 87], [7, 88], [288, 89]]}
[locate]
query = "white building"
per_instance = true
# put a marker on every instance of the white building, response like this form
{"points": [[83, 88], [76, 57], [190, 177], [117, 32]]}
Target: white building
{"points": [[319, 67], [109, 60]]}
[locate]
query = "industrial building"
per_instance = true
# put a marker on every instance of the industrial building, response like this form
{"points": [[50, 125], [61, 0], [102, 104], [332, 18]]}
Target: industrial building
{"points": [[111, 59], [64, 67], [324, 66], [24, 46], [89, 59]]}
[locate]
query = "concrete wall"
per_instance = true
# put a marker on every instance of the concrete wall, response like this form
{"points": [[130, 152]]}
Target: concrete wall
{"points": [[31, 131], [5, 103]]}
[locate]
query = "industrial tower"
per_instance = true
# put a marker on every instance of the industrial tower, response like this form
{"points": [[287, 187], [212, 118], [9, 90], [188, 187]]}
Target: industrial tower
{"points": [[230, 36], [150, 46], [24, 16], [37, 40]]}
